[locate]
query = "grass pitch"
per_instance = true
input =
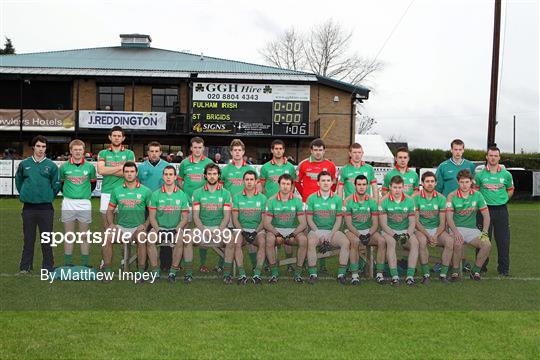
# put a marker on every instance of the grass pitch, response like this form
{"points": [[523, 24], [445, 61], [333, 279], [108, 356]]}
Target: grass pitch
{"points": [[496, 318]]}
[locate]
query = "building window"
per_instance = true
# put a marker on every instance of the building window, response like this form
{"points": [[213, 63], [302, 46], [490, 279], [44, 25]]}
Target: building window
{"points": [[164, 99], [111, 98]]}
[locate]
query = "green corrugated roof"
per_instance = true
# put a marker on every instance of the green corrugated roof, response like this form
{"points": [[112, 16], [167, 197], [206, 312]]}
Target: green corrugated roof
{"points": [[123, 58]]}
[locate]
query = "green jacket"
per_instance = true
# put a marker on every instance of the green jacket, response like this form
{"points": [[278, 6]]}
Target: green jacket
{"points": [[37, 183], [447, 175]]}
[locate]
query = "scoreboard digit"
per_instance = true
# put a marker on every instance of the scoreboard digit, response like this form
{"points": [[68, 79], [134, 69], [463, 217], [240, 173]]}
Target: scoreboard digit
{"points": [[290, 117]]}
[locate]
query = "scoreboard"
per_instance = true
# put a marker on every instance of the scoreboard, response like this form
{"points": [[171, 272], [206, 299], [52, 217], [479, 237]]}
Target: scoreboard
{"points": [[250, 109]]}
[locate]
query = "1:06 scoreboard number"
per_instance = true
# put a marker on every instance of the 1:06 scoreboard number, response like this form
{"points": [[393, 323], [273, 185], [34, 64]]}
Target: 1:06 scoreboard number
{"points": [[288, 118]]}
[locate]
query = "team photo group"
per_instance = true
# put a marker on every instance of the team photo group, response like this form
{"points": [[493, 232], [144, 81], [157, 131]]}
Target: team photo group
{"points": [[166, 211]]}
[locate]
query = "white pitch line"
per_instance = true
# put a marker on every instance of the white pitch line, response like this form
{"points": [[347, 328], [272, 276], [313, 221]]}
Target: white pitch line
{"points": [[325, 278]]}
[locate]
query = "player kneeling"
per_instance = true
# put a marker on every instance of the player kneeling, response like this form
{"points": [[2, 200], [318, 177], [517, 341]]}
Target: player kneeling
{"points": [[131, 200], [361, 218], [168, 215], [431, 225], [211, 215], [285, 223], [324, 217], [248, 211], [397, 220], [462, 208]]}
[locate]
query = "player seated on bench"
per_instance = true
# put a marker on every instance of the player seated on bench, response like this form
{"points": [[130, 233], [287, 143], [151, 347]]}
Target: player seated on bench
{"points": [[285, 223], [248, 210], [361, 219], [324, 217], [131, 200], [211, 215]]}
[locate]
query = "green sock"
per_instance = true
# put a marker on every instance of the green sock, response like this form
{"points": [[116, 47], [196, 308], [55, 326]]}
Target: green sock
{"points": [[68, 258], [354, 267], [342, 270], [227, 266], [157, 271], [188, 268], [140, 269], [241, 271], [393, 272], [476, 269], [425, 269], [85, 259], [108, 270], [410, 271], [379, 267], [221, 262], [361, 264], [253, 258], [202, 256], [444, 270], [322, 263], [312, 270], [298, 271], [182, 262], [257, 271], [173, 270], [275, 270]]}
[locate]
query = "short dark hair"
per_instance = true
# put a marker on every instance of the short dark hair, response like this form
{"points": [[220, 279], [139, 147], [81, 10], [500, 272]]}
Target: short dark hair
{"points": [[154, 144], [212, 166], [169, 167], [360, 177], [323, 173], [196, 139], [465, 173], [402, 149], [317, 143], [250, 172], [355, 146], [130, 164], [428, 174], [116, 128], [457, 142], [277, 142], [39, 138], [396, 180], [287, 177], [494, 148]]}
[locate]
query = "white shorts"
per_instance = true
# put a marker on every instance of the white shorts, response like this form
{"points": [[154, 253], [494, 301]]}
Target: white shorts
{"points": [[127, 230], [431, 232], [399, 232], [285, 231], [76, 209], [469, 234], [104, 202], [205, 239], [363, 232]]}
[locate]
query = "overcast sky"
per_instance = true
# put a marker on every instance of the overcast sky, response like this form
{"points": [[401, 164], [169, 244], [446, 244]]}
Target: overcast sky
{"points": [[435, 84]]}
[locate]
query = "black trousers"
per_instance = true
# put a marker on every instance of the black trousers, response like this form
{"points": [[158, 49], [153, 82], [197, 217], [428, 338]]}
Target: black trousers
{"points": [[499, 229], [34, 216], [165, 257]]}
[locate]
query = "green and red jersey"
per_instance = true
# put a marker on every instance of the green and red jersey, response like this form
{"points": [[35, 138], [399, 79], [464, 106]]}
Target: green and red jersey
{"points": [[465, 207], [324, 210], [284, 211], [270, 173], [250, 209], [169, 206], [397, 213], [77, 179], [191, 172], [233, 176], [429, 209], [361, 209], [349, 172], [494, 187], [114, 158], [411, 181], [131, 204], [212, 204]]}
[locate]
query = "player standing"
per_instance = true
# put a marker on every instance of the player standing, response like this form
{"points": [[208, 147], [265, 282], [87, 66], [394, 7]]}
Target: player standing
{"points": [[411, 181], [348, 174], [78, 179]]}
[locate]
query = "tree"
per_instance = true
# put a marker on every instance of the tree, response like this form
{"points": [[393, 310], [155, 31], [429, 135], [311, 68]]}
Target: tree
{"points": [[324, 50], [8, 48], [364, 123]]}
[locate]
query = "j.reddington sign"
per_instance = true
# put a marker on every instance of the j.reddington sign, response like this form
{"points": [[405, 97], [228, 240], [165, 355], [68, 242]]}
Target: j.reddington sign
{"points": [[125, 119]]}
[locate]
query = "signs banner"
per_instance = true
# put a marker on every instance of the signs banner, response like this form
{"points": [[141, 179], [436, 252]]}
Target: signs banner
{"points": [[37, 120], [250, 109], [91, 119]]}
